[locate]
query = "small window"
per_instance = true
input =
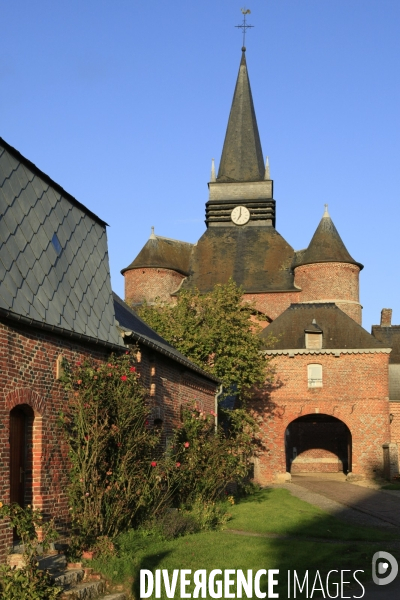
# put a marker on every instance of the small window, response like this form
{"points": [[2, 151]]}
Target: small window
{"points": [[314, 376], [56, 243], [314, 341]]}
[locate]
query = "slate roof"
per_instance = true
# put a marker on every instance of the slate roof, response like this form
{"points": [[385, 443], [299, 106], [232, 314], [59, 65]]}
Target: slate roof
{"points": [[257, 258], [242, 158], [326, 246], [339, 331], [390, 337], [163, 253], [54, 267], [143, 333]]}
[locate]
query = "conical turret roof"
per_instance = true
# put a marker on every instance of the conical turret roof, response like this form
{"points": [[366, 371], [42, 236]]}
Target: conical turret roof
{"points": [[242, 157], [326, 246]]}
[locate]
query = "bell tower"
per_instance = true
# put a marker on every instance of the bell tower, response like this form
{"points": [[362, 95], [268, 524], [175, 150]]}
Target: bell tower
{"points": [[243, 181]]}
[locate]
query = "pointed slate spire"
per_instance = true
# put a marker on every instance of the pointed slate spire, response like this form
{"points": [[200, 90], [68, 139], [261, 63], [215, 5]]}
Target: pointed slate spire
{"points": [[326, 245], [242, 157]]}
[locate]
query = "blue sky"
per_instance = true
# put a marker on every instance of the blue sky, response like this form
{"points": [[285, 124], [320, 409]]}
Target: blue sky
{"points": [[124, 103]]}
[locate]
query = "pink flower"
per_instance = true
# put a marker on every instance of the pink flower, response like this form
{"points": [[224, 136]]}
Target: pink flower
{"points": [[127, 352], [132, 369], [78, 364], [109, 365], [153, 464], [178, 464], [109, 374], [87, 494], [123, 378], [186, 444], [213, 413], [79, 381]]}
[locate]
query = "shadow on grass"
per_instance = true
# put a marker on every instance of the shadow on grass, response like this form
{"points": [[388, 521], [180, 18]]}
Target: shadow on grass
{"points": [[150, 562], [353, 536]]}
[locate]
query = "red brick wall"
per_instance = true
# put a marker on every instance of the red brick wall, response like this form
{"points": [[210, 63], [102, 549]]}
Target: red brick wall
{"points": [[331, 282], [149, 284], [355, 390], [394, 409], [274, 304], [28, 378], [172, 386]]}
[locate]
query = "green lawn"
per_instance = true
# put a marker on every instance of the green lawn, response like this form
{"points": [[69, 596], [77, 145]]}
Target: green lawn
{"points": [[270, 511]]}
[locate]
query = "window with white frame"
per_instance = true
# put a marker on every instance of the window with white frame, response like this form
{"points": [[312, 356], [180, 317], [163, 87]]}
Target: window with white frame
{"points": [[314, 376]]}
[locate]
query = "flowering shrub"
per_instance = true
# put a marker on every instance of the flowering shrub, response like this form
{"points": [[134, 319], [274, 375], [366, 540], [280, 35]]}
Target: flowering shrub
{"points": [[208, 460], [114, 481]]}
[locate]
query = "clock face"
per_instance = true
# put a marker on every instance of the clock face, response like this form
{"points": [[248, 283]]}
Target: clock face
{"points": [[240, 215]]}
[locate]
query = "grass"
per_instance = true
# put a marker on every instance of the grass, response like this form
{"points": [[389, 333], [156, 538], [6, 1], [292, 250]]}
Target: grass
{"points": [[391, 486], [269, 511]]}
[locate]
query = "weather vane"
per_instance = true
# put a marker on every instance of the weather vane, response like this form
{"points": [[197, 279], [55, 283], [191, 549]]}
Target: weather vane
{"points": [[244, 26]]}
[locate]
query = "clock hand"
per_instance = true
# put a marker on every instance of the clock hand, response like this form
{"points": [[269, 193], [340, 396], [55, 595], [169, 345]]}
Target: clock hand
{"points": [[240, 212]]}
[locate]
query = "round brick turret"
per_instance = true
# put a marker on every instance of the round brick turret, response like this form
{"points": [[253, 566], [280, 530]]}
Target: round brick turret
{"points": [[157, 271], [325, 271]]}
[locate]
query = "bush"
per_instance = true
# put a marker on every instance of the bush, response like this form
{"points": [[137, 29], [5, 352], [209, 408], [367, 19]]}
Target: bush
{"points": [[113, 480], [209, 460], [27, 583], [175, 523]]}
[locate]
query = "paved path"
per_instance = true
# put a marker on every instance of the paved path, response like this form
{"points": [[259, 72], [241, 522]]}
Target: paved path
{"points": [[358, 505], [383, 507]]}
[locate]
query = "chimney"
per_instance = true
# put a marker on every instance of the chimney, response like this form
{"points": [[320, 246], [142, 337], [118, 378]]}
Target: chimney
{"points": [[386, 317]]}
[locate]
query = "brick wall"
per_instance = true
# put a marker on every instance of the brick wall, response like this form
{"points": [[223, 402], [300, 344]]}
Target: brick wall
{"points": [[331, 282], [150, 283], [394, 409], [28, 380], [355, 391], [272, 304]]}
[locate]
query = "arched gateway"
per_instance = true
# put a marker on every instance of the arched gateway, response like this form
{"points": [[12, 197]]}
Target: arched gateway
{"points": [[318, 443]]}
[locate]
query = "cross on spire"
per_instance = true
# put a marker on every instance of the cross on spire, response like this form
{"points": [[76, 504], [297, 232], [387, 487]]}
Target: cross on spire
{"points": [[244, 26]]}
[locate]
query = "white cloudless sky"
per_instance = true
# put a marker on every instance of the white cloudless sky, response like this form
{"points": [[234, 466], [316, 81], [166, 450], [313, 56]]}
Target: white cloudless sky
{"points": [[124, 103]]}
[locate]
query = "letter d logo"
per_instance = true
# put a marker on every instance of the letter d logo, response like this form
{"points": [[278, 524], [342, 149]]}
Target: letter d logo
{"points": [[380, 568]]}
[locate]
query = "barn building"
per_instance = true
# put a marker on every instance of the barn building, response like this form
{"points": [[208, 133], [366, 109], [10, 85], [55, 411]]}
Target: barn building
{"points": [[56, 302], [334, 406]]}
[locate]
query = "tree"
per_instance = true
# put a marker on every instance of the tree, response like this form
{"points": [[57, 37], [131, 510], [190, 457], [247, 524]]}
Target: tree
{"points": [[218, 331]]}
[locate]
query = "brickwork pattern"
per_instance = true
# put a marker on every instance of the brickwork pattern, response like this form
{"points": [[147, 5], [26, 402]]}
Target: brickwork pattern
{"points": [[150, 284], [394, 410], [28, 380], [331, 282], [355, 391]]}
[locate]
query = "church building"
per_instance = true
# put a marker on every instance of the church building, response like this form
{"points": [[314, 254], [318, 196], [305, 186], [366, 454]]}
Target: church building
{"points": [[335, 402]]}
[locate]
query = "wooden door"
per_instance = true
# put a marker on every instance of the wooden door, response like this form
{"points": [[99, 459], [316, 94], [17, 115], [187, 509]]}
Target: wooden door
{"points": [[17, 456]]}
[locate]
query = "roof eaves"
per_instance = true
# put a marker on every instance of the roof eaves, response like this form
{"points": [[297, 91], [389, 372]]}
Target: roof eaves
{"points": [[66, 333], [180, 359]]}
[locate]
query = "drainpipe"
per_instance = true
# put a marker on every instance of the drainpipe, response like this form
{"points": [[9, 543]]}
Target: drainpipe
{"points": [[217, 395]]}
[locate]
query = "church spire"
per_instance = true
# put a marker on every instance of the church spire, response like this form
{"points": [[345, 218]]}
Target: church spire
{"points": [[242, 157]]}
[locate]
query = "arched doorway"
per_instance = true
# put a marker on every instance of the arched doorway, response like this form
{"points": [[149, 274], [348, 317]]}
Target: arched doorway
{"points": [[318, 443], [21, 427]]}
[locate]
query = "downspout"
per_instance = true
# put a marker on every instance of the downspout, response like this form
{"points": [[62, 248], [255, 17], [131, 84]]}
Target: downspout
{"points": [[217, 395]]}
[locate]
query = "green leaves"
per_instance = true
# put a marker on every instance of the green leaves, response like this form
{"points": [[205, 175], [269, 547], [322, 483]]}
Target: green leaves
{"points": [[217, 331]]}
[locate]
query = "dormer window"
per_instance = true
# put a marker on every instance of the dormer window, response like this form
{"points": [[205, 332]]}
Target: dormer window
{"points": [[313, 335]]}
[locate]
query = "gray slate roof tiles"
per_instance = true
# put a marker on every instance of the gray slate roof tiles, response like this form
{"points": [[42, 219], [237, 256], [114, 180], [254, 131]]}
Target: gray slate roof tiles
{"points": [[69, 289]]}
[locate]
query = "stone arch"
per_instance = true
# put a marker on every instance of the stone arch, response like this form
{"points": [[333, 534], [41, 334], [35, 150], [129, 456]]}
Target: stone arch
{"points": [[318, 443]]}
